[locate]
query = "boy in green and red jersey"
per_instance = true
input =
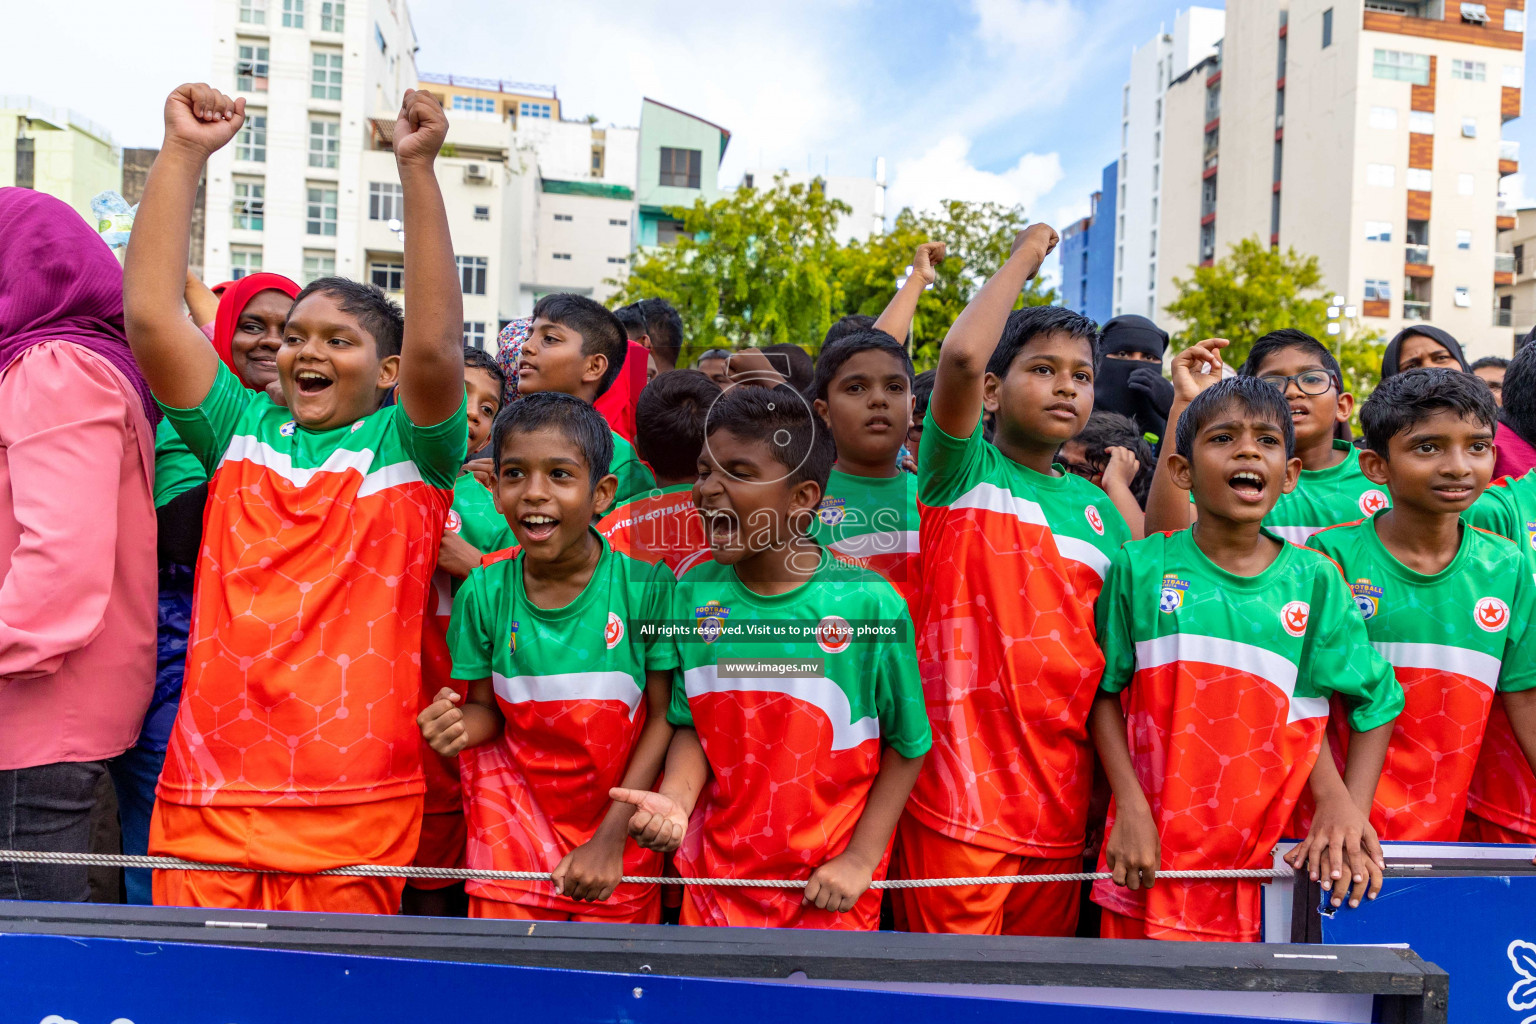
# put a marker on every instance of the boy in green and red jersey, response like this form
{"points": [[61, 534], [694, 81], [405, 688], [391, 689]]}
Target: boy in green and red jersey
{"points": [[1013, 554], [1222, 646], [565, 698], [295, 749], [795, 775], [1423, 580], [664, 525]]}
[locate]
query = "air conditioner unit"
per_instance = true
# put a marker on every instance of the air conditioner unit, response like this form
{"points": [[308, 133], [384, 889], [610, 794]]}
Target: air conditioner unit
{"points": [[1475, 13], [475, 172]]}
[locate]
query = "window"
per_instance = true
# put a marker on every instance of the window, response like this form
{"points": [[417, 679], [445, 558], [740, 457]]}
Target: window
{"points": [[1463, 296], [324, 142], [1328, 28], [474, 333], [1464, 240], [1397, 66], [320, 211], [1420, 179], [1153, 248], [1421, 122], [618, 222], [618, 259], [1465, 184], [386, 201], [251, 142], [669, 231], [533, 110], [1125, 101], [293, 13], [319, 264], [325, 75], [1377, 291], [1125, 134], [388, 276], [333, 16], [1469, 70], [243, 261], [1159, 111], [1384, 117], [562, 216], [597, 161], [1514, 21], [1513, 76], [472, 274], [477, 104], [253, 12], [680, 167], [1469, 127], [378, 38], [250, 204], [1157, 144], [1378, 231], [251, 68], [1383, 175], [482, 213]]}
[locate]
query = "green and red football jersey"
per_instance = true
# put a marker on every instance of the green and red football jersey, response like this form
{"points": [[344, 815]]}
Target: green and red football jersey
{"points": [[872, 521], [1225, 681], [1327, 497], [1011, 562], [1503, 786], [661, 526], [304, 666], [793, 755], [635, 477], [1454, 639], [571, 683]]}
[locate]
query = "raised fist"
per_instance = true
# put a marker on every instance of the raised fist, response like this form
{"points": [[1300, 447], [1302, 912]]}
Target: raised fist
{"points": [[201, 117], [1041, 237], [420, 128], [925, 262]]}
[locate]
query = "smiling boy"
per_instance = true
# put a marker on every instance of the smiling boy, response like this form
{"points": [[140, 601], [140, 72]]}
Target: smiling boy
{"points": [[295, 747]]}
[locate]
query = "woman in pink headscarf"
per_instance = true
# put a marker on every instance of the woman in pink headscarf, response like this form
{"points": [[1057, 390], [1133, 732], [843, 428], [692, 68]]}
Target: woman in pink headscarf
{"points": [[77, 535]]}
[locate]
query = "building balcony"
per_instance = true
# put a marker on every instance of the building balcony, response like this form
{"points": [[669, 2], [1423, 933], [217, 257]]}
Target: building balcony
{"points": [[1505, 263], [1503, 317], [1433, 10], [1415, 310], [1509, 149], [1417, 254]]}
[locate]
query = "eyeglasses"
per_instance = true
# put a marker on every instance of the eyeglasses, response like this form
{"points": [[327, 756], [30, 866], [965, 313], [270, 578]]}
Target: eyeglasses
{"points": [[1309, 382]]}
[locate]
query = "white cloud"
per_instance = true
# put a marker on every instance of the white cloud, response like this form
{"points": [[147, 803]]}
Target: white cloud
{"points": [[945, 171]]}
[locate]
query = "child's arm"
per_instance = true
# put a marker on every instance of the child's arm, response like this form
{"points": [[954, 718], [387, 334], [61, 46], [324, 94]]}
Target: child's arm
{"points": [[1168, 507], [593, 869], [1342, 838], [838, 884], [457, 556], [660, 819], [432, 351], [1132, 850], [175, 357], [956, 402], [201, 302], [896, 319], [1122, 469], [448, 728]]}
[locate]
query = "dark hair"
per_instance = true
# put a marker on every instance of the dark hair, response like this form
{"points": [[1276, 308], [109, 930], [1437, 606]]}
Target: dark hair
{"points": [[583, 425], [1290, 337], [844, 326], [601, 332], [376, 312], [1106, 430], [1024, 325], [1520, 393], [1412, 396], [922, 389], [477, 358], [802, 372], [1249, 394], [754, 413], [1497, 362], [657, 319], [849, 345], [669, 421]]}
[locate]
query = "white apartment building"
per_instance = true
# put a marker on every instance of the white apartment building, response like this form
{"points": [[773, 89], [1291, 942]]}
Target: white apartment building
{"points": [[1155, 65], [866, 197]]}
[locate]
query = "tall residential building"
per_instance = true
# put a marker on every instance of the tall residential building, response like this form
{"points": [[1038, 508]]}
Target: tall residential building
{"points": [[1087, 254], [1155, 65], [1516, 309], [1366, 133], [57, 151], [864, 196], [679, 164]]}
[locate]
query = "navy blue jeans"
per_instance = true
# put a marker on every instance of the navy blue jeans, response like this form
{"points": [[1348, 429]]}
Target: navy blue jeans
{"points": [[134, 775], [47, 808]]}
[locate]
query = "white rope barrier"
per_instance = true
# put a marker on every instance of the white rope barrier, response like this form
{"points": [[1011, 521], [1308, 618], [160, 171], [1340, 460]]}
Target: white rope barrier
{"points": [[114, 860]]}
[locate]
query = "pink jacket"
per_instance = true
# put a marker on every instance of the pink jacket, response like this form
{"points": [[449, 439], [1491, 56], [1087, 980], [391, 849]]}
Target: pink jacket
{"points": [[78, 571]]}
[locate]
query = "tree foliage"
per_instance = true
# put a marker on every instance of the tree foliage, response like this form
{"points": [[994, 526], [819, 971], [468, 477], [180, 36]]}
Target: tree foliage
{"points": [[763, 266]]}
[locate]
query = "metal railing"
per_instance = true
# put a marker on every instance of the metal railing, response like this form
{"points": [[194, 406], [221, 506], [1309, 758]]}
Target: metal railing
{"points": [[1509, 149], [1415, 310], [1503, 317], [488, 84], [1505, 263], [1417, 254]]}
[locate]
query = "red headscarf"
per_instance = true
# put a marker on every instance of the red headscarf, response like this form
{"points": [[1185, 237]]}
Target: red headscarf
{"points": [[232, 303], [617, 404]]}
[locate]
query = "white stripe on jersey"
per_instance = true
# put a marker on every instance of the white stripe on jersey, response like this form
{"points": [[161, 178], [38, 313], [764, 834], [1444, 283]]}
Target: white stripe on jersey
{"points": [[1274, 669], [992, 498], [868, 545], [246, 448], [1443, 658], [1293, 534], [821, 693], [570, 686]]}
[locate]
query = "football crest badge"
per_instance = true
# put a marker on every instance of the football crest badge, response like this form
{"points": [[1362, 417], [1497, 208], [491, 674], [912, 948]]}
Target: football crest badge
{"points": [[1171, 598]]}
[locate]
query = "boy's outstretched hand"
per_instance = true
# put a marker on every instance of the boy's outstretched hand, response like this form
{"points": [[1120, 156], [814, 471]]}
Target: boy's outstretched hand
{"points": [[837, 884], [442, 723], [201, 118], [658, 822], [1197, 368], [420, 128], [926, 260], [1041, 238]]}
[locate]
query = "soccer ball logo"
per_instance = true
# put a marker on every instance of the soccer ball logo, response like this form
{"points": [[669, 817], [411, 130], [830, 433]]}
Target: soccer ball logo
{"points": [[1094, 520], [1366, 605], [615, 630], [1170, 601], [833, 634], [1491, 614], [1372, 501], [831, 511], [287, 429], [1294, 617]]}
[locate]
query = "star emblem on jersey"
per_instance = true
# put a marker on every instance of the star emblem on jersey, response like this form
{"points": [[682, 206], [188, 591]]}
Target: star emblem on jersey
{"points": [[1490, 614], [1294, 617], [711, 616], [287, 429], [357, 426], [613, 633], [1094, 519], [1372, 501], [833, 634], [831, 511], [455, 522], [1171, 599], [1367, 597]]}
